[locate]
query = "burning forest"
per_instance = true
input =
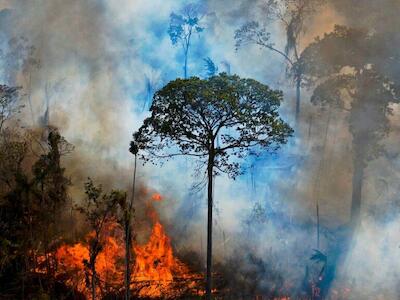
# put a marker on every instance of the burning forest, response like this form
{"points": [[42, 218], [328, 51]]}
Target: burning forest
{"points": [[208, 149], [155, 272]]}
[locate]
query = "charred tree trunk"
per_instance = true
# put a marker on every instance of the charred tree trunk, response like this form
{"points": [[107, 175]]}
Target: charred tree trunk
{"points": [[357, 183], [210, 166], [95, 248], [127, 258], [93, 287]]}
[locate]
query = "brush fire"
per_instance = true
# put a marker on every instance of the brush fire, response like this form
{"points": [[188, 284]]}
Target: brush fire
{"points": [[156, 272]]}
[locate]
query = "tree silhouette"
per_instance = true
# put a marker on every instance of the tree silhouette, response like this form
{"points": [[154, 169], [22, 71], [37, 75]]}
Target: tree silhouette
{"points": [[182, 27], [210, 67], [342, 67], [127, 214], [291, 14], [189, 115]]}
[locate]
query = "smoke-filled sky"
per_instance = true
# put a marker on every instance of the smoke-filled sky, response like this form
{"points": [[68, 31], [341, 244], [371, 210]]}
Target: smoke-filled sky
{"points": [[94, 59]]}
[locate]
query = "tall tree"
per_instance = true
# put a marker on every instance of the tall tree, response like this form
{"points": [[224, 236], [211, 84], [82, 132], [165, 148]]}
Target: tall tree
{"points": [[50, 190], [189, 115], [127, 211], [182, 27], [343, 67], [292, 15]]}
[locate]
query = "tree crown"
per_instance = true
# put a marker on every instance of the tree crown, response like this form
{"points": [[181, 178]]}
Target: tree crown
{"points": [[343, 67], [223, 116], [181, 25]]}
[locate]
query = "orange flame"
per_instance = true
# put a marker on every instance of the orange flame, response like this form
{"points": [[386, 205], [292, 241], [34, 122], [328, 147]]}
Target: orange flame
{"points": [[71, 262], [155, 263], [155, 260], [156, 197]]}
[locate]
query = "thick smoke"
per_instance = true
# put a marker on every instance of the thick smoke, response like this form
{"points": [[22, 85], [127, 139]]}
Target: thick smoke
{"points": [[90, 66]]}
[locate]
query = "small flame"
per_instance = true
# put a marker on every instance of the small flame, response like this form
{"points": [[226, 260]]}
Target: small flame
{"points": [[156, 197]]}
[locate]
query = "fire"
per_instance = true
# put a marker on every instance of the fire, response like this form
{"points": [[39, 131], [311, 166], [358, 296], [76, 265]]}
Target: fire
{"points": [[157, 267], [155, 270], [156, 197], [71, 261], [155, 260]]}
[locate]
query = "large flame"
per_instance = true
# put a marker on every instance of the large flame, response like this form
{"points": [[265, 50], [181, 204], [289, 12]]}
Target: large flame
{"points": [[155, 260], [71, 262], [157, 268], [154, 271]]}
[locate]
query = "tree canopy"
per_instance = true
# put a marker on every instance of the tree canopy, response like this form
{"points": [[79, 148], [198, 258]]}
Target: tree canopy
{"points": [[189, 115], [183, 25], [292, 16], [344, 68]]}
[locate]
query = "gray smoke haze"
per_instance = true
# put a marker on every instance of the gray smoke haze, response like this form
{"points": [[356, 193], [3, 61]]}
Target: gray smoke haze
{"points": [[92, 58]]}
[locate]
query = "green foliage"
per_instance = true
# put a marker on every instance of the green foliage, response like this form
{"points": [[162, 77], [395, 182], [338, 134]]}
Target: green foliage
{"points": [[188, 115], [99, 206]]}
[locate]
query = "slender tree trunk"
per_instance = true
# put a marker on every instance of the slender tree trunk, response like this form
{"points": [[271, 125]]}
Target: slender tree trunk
{"points": [[209, 223], [127, 259], [187, 46], [185, 65], [128, 237], [298, 96], [358, 177]]}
